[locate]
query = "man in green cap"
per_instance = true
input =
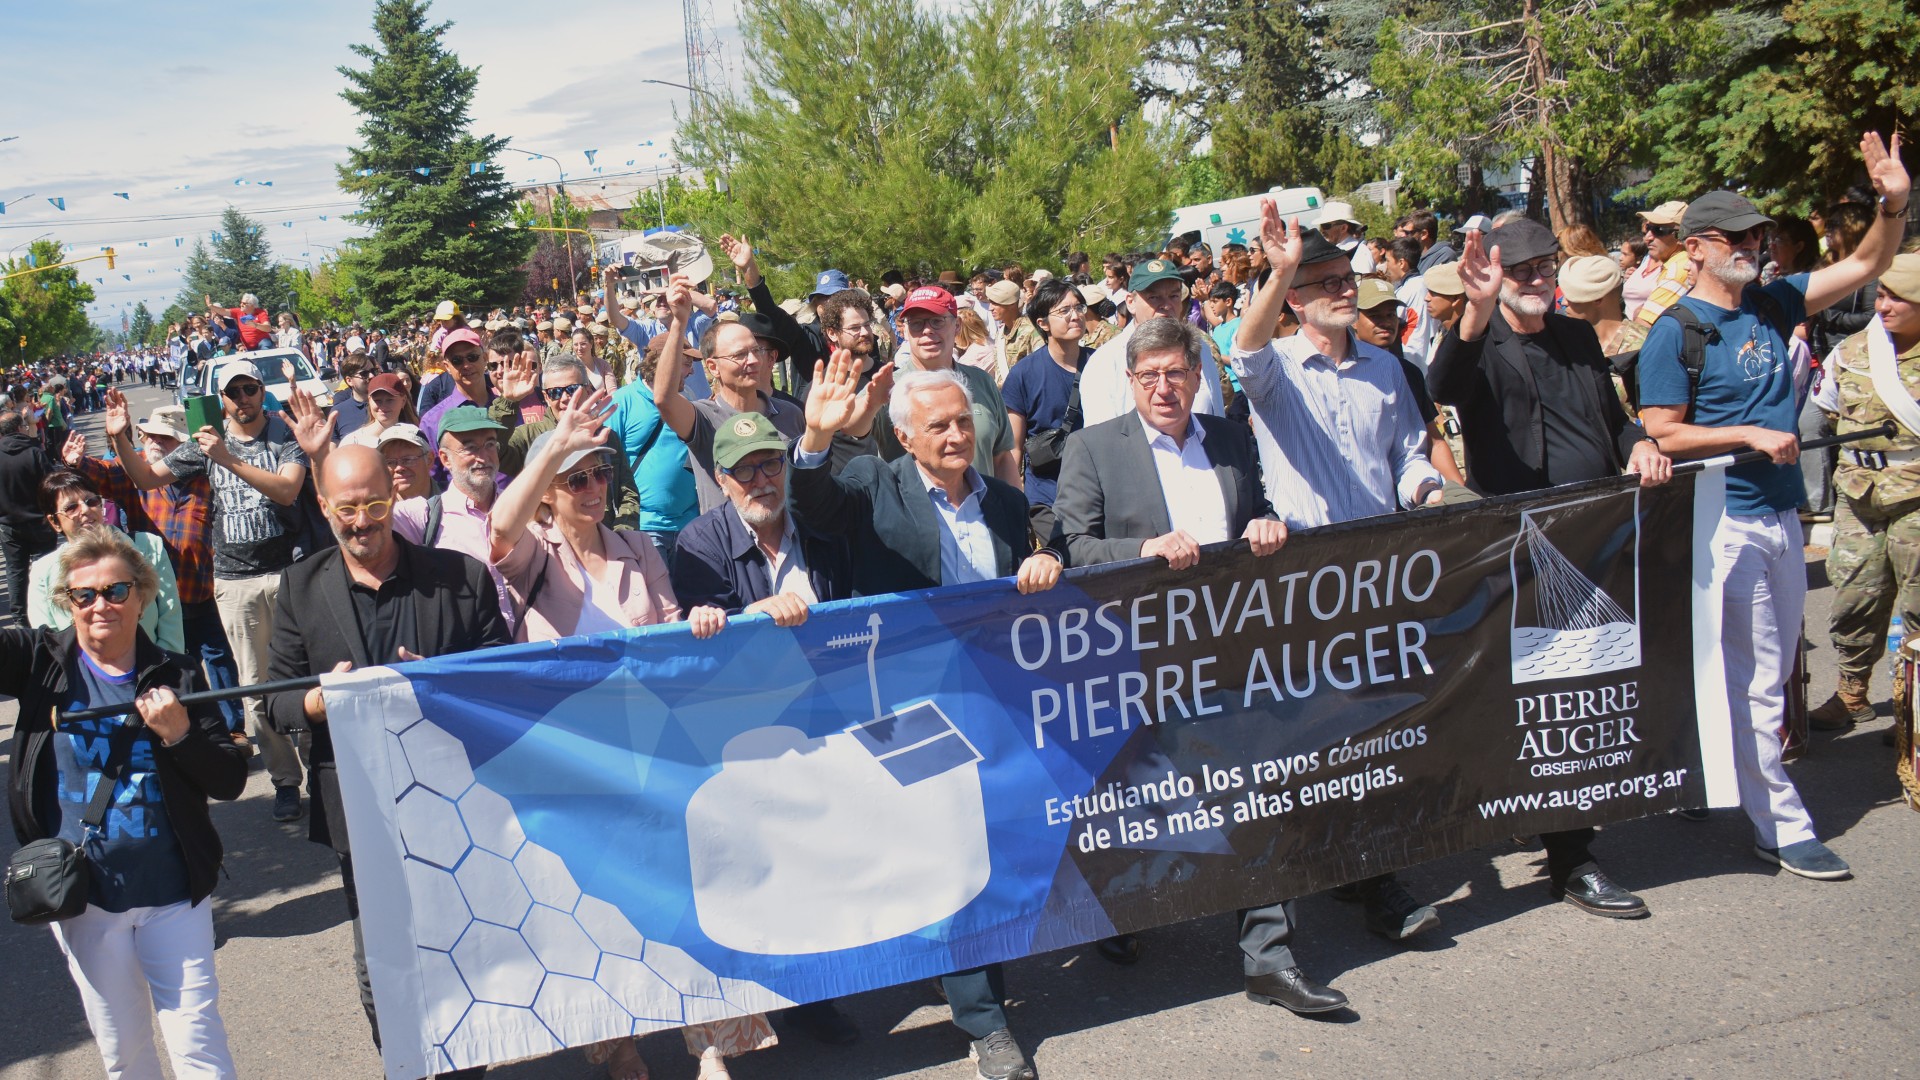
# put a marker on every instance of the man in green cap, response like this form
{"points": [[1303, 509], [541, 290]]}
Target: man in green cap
{"points": [[1874, 563], [1157, 290], [456, 518]]}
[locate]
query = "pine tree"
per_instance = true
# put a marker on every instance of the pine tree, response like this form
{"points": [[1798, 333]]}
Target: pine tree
{"points": [[239, 262], [140, 326], [441, 229]]}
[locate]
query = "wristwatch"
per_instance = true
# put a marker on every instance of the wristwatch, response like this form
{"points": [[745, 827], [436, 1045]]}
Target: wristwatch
{"points": [[1886, 211]]}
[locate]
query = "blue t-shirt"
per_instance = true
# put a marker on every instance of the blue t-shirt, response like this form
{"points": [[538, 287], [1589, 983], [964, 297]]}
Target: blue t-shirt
{"points": [[668, 498], [133, 857], [1039, 389], [1748, 379]]}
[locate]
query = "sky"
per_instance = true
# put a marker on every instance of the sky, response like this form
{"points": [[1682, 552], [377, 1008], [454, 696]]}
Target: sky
{"points": [[155, 101]]}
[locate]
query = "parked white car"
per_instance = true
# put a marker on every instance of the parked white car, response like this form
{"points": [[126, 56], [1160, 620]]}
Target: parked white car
{"points": [[271, 364]]}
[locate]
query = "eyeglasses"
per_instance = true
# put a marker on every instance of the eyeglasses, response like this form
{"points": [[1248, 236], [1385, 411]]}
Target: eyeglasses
{"points": [[1538, 270], [462, 359], [1075, 312], [1332, 286], [856, 330], [405, 461], [478, 449], [556, 393], [238, 391], [115, 593], [1661, 230], [1758, 233], [770, 468], [87, 502], [587, 478], [358, 375], [1176, 378], [760, 349], [376, 510]]}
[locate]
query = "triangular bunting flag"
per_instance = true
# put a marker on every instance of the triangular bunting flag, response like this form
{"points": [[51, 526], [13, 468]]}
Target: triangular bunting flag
{"points": [[266, 183], [124, 195], [239, 182], [590, 154], [59, 204], [422, 170], [474, 167], [216, 238]]}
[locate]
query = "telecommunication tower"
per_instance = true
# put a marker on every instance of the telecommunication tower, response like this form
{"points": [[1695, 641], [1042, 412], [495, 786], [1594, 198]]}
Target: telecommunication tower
{"points": [[706, 67]]}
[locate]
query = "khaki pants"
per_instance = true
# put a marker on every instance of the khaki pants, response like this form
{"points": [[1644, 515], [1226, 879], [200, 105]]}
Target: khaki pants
{"points": [[246, 611]]}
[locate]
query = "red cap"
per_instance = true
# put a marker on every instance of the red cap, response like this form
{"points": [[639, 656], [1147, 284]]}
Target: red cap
{"points": [[388, 382], [462, 335], [930, 298]]}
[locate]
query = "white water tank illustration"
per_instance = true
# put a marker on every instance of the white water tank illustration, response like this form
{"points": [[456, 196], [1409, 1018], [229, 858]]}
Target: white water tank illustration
{"points": [[801, 845], [1575, 628]]}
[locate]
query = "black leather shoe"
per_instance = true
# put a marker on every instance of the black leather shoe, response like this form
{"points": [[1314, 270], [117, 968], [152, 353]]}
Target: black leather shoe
{"points": [[1292, 990], [1119, 949], [823, 1022], [1394, 914], [1598, 894]]}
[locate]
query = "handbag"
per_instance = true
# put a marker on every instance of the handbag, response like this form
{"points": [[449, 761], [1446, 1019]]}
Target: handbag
{"points": [[47, 879]]}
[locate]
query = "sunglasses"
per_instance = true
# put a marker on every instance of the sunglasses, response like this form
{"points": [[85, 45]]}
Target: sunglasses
{"points": [[241, 391], [1663, 230], [115, 593], [556, 393], [462, 359], [1738, 239], [585, 479], [770, 468], [89, 502]]}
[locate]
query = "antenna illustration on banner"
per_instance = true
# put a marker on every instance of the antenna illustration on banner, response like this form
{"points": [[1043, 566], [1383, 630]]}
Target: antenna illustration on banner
{"points": [[871, 639]]}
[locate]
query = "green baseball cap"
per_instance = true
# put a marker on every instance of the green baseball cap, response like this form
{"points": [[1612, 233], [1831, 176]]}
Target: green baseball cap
{"points": [[1153, 271], [745, 434], [469, 418]]}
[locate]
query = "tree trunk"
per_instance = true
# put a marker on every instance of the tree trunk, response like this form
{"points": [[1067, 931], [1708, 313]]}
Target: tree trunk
{"points": [[1536, 186], [1569, 187]]}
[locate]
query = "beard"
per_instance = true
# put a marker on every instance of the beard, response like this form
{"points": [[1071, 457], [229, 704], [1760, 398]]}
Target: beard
{"points": [[1323, 315], [365, 543], [1736, 269], [756, 513], [1524, 303], [477, 481]]}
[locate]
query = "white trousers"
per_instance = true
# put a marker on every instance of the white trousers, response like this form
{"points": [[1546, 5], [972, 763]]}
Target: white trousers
{"points": [[1763, 572], [147, 961]]}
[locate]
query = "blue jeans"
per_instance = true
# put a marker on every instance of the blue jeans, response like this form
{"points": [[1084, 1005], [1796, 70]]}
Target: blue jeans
{"points": [[207, 641]]}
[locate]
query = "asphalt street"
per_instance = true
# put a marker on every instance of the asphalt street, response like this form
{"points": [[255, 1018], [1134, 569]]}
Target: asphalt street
{"points": [[1742, 972]]}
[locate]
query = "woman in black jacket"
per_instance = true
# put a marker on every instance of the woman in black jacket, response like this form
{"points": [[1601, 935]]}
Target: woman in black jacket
{"points": [[144, 944]]}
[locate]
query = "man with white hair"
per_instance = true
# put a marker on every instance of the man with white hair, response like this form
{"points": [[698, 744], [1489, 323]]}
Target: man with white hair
{"points": [[249, 318], [1156, 290], [923, 520]]}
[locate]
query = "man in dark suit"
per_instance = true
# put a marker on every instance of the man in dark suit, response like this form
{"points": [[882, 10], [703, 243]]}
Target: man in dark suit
{"points": [[923, 520], [374, 599], [1537, 409], [1161, 481]]}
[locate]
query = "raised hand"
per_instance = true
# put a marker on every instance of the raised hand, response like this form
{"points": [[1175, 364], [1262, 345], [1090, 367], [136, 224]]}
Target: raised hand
{"points": [[74, 450], [740, 253], [582, 422], [1480, 271], [680, 297], [519, 379], [1281, 242], [873, 397], [312, 426], [1884, 168], [834, 401]]}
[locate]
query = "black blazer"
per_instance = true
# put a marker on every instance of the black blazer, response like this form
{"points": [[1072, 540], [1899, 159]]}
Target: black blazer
{"points": [[718, 561], [456, 609], [1110, 502], [1489, 381], [883, 510]]}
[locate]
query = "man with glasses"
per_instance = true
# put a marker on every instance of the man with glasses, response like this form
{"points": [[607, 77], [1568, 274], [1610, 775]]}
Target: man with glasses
{"points": [[456, 518], [560, 379], [930, 317], [374, 599], [1157, 290], [1538, 409], [501, 379], [258, 470], [849, 322], [1745, 397], [1041, 387], [1664, 270], [405, 450]]}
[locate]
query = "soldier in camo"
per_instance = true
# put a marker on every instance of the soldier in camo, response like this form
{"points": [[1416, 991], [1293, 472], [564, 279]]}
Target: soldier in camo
{"points": [[1874, 563]]}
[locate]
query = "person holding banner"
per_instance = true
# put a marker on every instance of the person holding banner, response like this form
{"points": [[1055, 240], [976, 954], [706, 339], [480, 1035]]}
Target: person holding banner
{"points": [[1745, 397], [143, 947], [1875, 556], [1538, 409], [373, 599], [923, 520]]}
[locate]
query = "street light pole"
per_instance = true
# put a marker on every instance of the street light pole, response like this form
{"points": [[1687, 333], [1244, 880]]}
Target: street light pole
{"points": [[560, 180]]}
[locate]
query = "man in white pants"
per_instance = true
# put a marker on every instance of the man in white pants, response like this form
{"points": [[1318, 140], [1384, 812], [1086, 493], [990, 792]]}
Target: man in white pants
{"points": [[1746, 398]]}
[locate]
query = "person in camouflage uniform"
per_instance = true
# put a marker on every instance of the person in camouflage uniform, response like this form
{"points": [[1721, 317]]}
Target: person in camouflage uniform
{"points": [[1874, 564]]}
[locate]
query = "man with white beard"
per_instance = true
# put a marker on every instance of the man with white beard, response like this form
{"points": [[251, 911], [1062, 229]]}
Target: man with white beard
{"points": [[1745, 396]]}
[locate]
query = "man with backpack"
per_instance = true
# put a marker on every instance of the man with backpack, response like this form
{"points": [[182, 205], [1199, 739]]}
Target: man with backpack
{"points": [[1745, 396], [456, 518]]}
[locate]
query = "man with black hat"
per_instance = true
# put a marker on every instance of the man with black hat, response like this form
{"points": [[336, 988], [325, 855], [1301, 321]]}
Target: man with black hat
{"points": [[1744, 396], [1156, 290], [1537, 409], [1874, 562]]}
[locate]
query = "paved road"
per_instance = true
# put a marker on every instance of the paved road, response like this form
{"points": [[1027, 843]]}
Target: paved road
{"points": [[1742, 972]]}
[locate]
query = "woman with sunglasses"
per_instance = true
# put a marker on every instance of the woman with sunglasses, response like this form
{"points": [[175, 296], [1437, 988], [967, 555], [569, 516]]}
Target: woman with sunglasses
{"points": [[143, 947], [72, 506], [388, 403]]}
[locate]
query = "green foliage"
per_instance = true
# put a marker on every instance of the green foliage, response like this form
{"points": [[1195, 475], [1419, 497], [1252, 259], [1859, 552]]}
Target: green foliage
{"points": [[239, 262], [323, 294], [445, 235], [48, 308], [140, 329], [1197, 181], [1006, 132], [1783, 99]]}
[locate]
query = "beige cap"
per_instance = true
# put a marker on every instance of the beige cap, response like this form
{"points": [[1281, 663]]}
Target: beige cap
{"points": [[1372, 293], [168, 420], [1041, 277], [561, 322], [1336, 211], [1003, 292], [896, 291], [1093, 292], [1667, 213], [1902, 279], [543, 324], [1445, 280], [403, 433], [1589, 277]]}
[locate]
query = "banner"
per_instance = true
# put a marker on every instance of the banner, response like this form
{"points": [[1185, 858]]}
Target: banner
{"points": [[561, 842]]}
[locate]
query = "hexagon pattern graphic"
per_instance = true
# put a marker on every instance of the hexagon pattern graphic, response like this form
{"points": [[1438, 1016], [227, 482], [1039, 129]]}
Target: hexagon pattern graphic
{"points": [[510, 951]]}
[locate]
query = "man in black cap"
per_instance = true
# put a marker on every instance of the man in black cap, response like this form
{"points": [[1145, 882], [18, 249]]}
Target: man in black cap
{"points": [[1537, 409], [1743, 394]]}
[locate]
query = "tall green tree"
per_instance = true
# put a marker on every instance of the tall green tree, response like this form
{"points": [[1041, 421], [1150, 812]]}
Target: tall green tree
{"points": [[1257, 76], [943, 139], [1490, 82], [439, 209], [324, 293], [48, 308], [1783, 96], [238, 262], [140, 324]]}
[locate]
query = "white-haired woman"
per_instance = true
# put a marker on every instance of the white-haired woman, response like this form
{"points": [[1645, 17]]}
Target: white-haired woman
{"points": [[143, 947]]}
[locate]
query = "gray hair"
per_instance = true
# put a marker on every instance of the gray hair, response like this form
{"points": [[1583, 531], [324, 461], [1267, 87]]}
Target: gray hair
{"points": [[11, 422], [1506, 217], [909, 383], [249, 300], [560, 362], [1166, 335]]}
